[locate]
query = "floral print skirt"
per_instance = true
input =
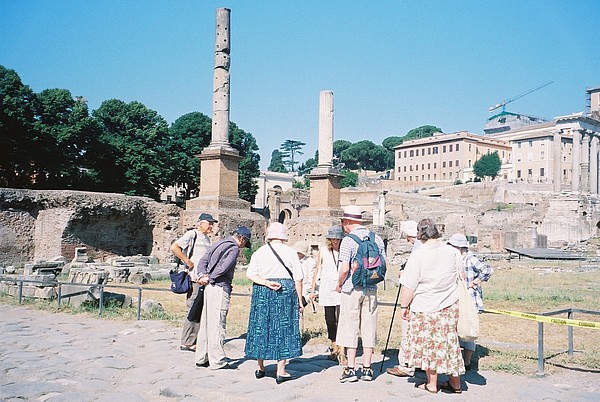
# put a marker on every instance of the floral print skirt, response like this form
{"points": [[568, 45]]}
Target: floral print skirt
{"points": [[433, 342]]}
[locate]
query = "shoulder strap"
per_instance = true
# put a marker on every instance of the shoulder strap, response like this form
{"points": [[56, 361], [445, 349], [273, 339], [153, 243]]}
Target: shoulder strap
{"points": [[281, 261], [221, 254], [191, 250], [354, 237]]}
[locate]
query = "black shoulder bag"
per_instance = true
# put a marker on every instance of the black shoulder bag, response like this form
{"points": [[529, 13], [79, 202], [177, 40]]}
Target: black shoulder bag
{"points": [[180, 280]]}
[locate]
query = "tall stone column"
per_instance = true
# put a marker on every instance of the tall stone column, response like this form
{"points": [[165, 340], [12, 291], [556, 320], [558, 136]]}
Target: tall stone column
{"points": [[575, 185], [220, 118], [557, 161], [594, 165], [219, 161], [326, 129], [585, 163]]}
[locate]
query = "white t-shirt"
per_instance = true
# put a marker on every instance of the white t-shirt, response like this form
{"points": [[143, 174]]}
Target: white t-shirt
{"points": [[431, 271], [200, 246], [264, 263]]}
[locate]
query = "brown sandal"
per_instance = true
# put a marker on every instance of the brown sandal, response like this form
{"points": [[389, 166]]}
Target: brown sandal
{"points": [[426, 388], [445, 386]]}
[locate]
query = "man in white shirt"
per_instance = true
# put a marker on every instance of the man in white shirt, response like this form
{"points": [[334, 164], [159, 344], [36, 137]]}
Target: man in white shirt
{"points": [[199, 241]]}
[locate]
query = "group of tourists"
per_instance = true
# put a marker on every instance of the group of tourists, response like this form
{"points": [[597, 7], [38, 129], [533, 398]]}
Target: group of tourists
{"points": [[287, 279]]}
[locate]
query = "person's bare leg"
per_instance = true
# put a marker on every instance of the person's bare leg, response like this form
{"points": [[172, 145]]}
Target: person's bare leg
{"points": [[351, 356], [281, 368], [261, 364], [467, 354], [431, 379], [367, 356], [454, 381]]}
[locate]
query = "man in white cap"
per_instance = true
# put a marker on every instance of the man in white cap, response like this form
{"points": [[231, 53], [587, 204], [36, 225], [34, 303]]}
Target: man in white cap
{"points": [[358, 306], [195, 243]]}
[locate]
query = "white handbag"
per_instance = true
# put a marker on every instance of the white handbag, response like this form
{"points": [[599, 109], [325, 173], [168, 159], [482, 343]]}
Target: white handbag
{"points": [[468, 316]]}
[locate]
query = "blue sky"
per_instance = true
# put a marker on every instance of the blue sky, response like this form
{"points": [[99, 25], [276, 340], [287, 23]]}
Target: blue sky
{"points": [[392, 65]]}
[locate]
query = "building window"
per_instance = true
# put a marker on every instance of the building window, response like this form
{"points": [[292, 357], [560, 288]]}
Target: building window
{"points": [[457, 147], [405, 154], [417, 152], [435, 165], [529, 173], [542, 172], [518, 174], [410, 167], [450, 164], [443, 164], [435, 150], [519, 144], [423, 178], [450, 148], [404, 169], [429, 166], [412, 153], [428, 177], [450, 175], [542, 155], [434, 176], [417, 168], [444, 149], [443, 176], [469, 162], [429, 151], [423, 166], [398, 169], [469, 148], [530, 143], [399, 154], [457, 164]]}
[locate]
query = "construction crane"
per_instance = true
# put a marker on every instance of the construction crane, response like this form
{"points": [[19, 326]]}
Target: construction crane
{"points": [[514, 98]]}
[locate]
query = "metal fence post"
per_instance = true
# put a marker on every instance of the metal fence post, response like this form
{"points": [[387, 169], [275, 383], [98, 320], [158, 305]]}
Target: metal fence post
{"points": [[139, 306], [540, 372], [101, 306], [20, 291], [59, 294], [570, 332]]}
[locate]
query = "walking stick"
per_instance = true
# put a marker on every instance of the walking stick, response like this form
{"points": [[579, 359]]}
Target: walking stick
{"points": [[390, 331]]}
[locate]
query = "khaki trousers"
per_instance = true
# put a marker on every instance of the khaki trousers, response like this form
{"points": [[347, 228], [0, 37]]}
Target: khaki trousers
{"points": [[211, 334]]}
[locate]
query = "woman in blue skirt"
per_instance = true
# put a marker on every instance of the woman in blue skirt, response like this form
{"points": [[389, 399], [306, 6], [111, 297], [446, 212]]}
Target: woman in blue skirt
{"points": [[273, 325]]}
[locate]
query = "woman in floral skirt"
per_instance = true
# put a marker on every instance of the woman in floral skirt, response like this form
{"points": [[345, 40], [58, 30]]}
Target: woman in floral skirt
{"points": [[429, 301]]}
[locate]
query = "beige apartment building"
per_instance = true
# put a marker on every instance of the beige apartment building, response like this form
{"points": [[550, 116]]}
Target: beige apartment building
{"points": [[446, 157], [563, 153]]}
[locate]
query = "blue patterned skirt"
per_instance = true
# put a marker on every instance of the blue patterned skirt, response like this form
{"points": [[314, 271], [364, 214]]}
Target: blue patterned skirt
{"points": [[274, 323]]}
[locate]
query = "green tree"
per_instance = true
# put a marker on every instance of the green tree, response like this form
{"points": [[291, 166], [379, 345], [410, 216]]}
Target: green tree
{"points": [[365, 155], [65, 134], [135, 160], [17, 138], [292, 148], [389, 143], [277, 164], [188, 136], [339, 146], [421, 132], [249, 168], [349, 180], [487, 166], [309, 165]]}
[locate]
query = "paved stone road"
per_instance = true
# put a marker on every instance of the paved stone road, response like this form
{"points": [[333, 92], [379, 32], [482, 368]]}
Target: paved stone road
{"points": [[60, 357]]}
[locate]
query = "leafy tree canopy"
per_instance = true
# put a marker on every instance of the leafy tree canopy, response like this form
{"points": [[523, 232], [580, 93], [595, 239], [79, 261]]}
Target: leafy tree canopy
{"points": [[249, 169], [135, 161], [487, 166], [16, 134], [390, 142], [421, 132], [310, 163], [365, 155], [277, 164]]}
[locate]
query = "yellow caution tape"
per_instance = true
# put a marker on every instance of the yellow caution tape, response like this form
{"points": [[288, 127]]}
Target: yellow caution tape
{"points": [[542, 318]]}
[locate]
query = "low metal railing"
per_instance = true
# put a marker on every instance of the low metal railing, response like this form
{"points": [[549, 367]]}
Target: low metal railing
{"points": [[570, 314]]}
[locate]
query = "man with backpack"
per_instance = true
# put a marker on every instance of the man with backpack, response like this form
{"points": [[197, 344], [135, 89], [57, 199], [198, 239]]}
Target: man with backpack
{"points": [[362, 265]]}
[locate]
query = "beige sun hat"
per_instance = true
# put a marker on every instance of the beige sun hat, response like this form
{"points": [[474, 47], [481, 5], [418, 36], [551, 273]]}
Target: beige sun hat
{"points": [[352, 213], [409, 228], [458, 240], [277, 231], [301, 247]]}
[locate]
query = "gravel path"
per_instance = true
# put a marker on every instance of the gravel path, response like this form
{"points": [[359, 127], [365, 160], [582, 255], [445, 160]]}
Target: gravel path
{"points": [[59, 357]]}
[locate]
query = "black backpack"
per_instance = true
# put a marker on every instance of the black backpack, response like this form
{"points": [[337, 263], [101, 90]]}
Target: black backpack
{"points": [[370, 264]]}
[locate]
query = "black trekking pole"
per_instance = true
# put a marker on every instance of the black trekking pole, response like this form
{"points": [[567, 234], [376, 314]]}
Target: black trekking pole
{"points": [[390, 331]]}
